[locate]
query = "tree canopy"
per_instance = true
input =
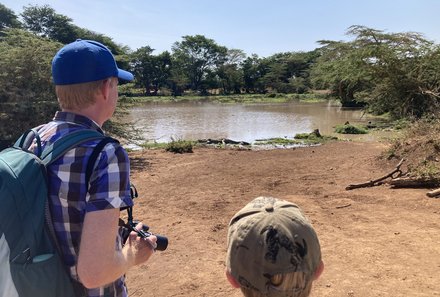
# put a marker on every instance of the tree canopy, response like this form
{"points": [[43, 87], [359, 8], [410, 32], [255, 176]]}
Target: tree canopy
{"points": [[151, 72], [26, 96], [394, 73], [198, 56], [45, 22], [8, 19]]}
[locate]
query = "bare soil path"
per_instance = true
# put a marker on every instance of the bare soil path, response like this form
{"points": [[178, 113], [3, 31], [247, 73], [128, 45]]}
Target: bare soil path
{"points": [[375, 241]]}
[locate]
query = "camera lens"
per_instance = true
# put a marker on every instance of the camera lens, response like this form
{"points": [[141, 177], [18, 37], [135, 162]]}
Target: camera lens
{"points": [[162, 242]]}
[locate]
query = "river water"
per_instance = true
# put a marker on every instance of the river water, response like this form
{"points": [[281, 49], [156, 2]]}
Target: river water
{"points": [[163, 122]]}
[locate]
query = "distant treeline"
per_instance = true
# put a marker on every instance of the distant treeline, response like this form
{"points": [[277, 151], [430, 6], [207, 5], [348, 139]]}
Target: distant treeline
{"points": [[394, 73]]}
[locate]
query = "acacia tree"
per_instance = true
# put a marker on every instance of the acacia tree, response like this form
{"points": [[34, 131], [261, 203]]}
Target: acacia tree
{"points": [[8, 19], [45, 22], [141, 61], [178, 80], [298, 70], [392, 72], [151, 72], [26, 96], [198, 56], [230, 73], [340, 69], [402, 67], [276, 77], [254, 69]]}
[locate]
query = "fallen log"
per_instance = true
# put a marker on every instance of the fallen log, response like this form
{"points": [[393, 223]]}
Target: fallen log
{"points": [[408, 182], [434, 193], [378, 181]]}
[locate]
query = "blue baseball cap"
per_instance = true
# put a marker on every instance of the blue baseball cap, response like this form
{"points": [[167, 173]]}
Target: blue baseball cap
{"points": [[85, 61]]}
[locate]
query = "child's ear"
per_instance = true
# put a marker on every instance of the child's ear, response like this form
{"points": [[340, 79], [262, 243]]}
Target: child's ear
{"points": [[231, 279], [319, 270]]}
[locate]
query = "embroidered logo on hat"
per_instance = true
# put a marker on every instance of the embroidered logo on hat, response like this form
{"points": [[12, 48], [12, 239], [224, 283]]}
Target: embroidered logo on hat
{"points": [[85, 61], [268, 237]]}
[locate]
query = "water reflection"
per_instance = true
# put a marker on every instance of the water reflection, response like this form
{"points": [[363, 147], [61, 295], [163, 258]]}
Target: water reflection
{"points": [[163, 122]]}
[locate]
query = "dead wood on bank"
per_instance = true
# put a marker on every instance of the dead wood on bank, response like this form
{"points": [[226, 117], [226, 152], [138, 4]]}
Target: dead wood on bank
{"points": [[378, 181], [410, 182], [400, 181], [434, 193]]}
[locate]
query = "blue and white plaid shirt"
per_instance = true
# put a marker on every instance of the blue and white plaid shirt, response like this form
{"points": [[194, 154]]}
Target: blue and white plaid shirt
{"points": [[70, 199]]}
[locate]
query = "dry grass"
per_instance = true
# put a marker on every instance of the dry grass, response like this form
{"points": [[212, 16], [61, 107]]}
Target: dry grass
{"points": [[420, 147]]}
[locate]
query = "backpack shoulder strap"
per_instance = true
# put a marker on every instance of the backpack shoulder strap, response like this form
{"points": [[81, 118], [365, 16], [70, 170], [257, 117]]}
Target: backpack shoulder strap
{"points": [[26, 138], [66, 143], [94, 156]]}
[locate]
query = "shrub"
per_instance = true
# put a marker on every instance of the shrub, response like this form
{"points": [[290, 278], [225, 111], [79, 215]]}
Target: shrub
{"points": [[180, 146], [314, 137], [350, 129], [420, 147]]}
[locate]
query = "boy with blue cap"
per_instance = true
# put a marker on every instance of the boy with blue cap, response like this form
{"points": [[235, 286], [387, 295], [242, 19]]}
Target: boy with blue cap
{"points": [[85, 217]]}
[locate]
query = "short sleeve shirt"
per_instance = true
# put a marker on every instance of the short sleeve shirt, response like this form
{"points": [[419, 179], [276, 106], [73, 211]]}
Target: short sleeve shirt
{"points": [[70, 198]]}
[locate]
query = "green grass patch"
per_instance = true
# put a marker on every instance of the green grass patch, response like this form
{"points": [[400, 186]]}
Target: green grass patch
{"points": [[154, 145], [302, 138], [276, 141], [180, 146], [309, 98], [175, 146], [350, 129], [314, 137]]}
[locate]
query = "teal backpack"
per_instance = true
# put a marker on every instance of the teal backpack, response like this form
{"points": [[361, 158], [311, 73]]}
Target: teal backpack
{"points": [[30, 264]]}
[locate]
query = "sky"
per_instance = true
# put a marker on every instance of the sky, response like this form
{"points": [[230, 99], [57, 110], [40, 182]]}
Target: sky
{"points": [[253, 26]]}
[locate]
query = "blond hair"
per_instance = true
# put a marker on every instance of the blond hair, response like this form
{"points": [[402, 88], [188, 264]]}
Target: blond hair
{"points": [[79, 96], [296, 283]]}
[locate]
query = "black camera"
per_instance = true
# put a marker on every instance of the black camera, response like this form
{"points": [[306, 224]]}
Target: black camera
{"points": [[162, 241]]}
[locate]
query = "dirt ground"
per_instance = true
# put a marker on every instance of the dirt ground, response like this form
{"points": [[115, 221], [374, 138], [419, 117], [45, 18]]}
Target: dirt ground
{"points": [[375, 241]]}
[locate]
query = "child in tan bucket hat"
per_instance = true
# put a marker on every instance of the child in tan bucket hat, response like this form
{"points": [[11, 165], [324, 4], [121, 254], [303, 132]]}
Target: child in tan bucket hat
{"points": [[273, 250]]}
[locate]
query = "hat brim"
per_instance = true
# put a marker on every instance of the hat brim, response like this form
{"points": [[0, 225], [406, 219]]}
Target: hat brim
{"points": [[125, 75]]}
